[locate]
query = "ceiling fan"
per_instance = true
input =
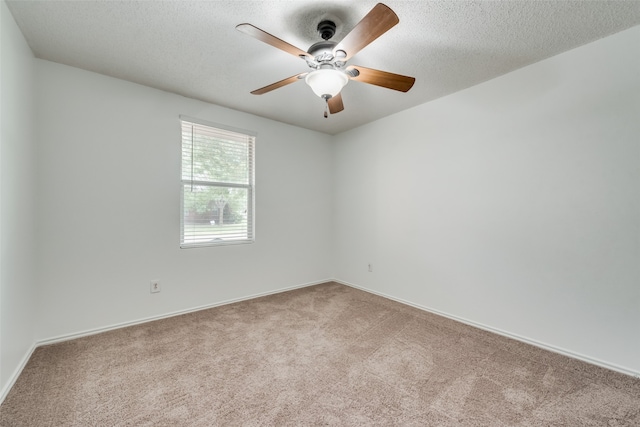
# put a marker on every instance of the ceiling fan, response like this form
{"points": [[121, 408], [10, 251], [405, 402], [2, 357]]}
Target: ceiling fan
{"points": [[328, 59]]}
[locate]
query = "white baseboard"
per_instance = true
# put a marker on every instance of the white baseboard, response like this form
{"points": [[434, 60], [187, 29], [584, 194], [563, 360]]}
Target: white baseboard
{"points": [[87, 332], [16, 373], [7, 387], [507, 334]]}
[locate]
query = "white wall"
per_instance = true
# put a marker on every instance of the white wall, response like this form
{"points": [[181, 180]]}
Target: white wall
{"points": [[109, 197], [17, 189], [514, 204]]}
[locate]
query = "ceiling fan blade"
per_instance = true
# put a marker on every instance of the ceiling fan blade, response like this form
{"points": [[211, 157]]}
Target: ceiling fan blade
{"points": [[381, 78], [377, 22], [279, 84], [335, 104], [267, 38]]}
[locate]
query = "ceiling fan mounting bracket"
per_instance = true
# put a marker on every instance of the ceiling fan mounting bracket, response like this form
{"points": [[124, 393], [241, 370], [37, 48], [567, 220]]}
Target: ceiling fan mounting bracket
{"points": [[326, 29]]}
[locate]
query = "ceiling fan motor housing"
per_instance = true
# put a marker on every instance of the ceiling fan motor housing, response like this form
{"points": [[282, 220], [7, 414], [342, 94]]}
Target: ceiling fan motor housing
{"points": [[322, 49]]}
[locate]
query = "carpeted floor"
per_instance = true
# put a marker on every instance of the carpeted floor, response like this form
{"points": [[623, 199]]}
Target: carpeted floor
{"points": [[322, 355]]}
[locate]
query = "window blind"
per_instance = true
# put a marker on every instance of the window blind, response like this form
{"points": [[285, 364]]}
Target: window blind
{"points": [[217, 185]]}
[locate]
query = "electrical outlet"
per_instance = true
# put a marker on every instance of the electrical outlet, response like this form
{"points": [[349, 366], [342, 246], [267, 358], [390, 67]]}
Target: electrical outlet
{"points": [[370, 268], [155, 286]]}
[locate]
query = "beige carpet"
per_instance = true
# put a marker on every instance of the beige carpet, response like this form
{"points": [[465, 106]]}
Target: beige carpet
{"points": [[323, 355]]}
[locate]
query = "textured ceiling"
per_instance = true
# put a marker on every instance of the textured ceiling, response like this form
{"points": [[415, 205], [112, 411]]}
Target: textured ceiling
{"points": [[192, 48]]}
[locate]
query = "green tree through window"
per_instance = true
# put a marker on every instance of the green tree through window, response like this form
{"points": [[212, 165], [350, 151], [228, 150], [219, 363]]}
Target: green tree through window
{"points": [[217, 185]]}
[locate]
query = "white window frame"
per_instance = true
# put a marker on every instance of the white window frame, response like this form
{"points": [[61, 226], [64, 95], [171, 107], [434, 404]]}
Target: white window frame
{"points": [[250, 185]]}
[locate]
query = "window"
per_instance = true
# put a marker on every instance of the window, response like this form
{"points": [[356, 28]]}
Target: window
{"points": [[217, 202]]}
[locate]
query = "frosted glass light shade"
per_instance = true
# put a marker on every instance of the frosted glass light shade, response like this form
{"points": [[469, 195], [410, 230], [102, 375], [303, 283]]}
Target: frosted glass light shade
{"points": [[326, 82]]}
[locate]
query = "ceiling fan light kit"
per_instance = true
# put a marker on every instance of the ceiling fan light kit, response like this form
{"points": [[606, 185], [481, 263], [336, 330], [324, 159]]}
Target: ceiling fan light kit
{"points": [[328, 59], [326, 82]]}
